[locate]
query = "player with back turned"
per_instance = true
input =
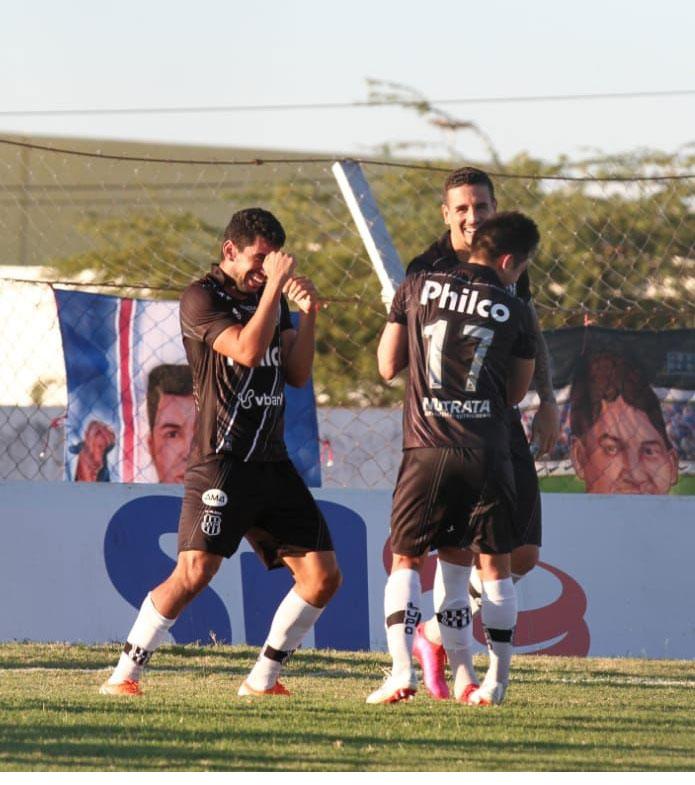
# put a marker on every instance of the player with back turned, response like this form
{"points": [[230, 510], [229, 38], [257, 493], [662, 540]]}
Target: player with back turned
{"points": [[469, 346], [468, 199]]}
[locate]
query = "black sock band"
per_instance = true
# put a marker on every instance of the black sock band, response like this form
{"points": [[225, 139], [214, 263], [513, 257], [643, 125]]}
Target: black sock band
{"points": [[458, 618], [137, 654], [276, 655], [498, 636]]}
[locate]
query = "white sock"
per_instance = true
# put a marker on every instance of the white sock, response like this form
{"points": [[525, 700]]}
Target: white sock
{"points": [[293, 619], [499, 614], [432, 625], [147, 634], [455, 621], [432, 631], [475, 591], [402, 613]]}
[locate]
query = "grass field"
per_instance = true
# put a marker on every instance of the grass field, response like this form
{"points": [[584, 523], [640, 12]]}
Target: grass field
{"points": [[560, 714], [570, 484]]}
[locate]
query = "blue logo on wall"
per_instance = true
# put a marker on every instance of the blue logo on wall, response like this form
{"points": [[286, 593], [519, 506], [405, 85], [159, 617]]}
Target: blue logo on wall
{"points": [[135, 564]]}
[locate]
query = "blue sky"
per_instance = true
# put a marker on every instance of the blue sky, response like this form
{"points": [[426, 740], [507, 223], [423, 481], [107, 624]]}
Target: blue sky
{"points": [[158, 54]]}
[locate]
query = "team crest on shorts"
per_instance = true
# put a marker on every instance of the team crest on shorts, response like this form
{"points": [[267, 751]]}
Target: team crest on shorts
{"points": [[212, 524]]}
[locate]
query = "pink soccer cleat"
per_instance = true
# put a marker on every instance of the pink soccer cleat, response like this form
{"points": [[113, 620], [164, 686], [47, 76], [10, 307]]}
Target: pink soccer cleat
{"points": [[432, 659]]}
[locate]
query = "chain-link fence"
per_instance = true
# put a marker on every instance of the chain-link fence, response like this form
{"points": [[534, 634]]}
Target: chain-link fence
{"points": [[617, 251]]}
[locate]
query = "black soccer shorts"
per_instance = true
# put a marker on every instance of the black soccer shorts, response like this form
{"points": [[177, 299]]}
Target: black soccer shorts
{"points": [[527, 514], [453, 496], [267, 502]]}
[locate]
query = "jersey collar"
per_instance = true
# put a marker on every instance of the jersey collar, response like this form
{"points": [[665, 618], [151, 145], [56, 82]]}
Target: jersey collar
{"points": [[220, 277]]}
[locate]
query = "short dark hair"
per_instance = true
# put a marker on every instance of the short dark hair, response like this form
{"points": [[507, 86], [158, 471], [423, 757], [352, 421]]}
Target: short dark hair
{"points": [[605, 377], [511, 232], [468, 175], [246, 225], [166, 380]]}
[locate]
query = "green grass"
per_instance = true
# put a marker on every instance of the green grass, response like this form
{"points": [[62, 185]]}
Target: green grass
{"points": [[560, 714], [570, 484]]}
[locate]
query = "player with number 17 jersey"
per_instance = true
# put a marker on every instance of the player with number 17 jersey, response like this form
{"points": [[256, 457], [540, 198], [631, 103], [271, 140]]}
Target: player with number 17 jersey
{"points": [[463, 327]]}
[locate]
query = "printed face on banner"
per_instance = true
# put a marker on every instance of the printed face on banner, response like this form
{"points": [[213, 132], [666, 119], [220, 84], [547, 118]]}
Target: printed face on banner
{"points": [[171, 435], [624, 453]]}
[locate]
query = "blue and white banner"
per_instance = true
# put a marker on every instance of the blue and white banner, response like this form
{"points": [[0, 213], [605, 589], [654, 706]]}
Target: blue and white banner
{"points": [[111, 346]]}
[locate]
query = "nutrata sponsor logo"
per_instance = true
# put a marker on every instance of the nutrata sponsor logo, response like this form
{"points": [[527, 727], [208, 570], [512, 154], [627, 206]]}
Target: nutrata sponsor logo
{"points": [[465, 301], [214, 497], [249, 398], [472, 409]]}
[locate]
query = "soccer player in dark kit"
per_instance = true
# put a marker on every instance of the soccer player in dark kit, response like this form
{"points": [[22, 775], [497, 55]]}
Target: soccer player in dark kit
{"points": [[469, 346], [468, 200], [239, 481]]}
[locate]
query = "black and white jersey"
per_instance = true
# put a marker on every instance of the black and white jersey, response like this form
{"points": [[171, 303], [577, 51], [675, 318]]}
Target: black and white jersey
{"points": [[464, 328], [440, 256], [239, 410]]}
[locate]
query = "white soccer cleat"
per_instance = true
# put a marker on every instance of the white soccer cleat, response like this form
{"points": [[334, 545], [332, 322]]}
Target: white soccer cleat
{"points": [[487, 695], [400, 687]]}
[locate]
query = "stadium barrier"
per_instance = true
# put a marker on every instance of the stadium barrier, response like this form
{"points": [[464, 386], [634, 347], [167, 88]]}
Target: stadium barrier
{"points": [[615, 577]]}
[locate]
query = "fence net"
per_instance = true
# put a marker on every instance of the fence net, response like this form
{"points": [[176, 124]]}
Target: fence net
{"points": [[617, 251]]}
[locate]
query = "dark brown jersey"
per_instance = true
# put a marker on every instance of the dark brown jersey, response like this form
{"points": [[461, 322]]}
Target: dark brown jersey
{"points": [[239, 410], [464, 328]]}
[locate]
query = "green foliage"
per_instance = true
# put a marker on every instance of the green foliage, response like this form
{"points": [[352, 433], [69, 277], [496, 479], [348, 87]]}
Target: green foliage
{"points": [[617, 253], [143, 250]]}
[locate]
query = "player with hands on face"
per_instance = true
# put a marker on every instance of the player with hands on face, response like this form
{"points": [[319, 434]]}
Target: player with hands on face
{"points": [[242, 349]]}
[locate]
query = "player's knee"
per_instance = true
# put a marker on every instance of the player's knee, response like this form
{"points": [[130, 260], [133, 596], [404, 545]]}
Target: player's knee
{"points": [[524, 559], [326, 584], [321, 585], [401, 562], [196, 574]]}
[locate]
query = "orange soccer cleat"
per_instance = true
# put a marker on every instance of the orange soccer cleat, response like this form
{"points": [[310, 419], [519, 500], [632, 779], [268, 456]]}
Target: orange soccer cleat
{"points": [[127, 687], [246, 690]]}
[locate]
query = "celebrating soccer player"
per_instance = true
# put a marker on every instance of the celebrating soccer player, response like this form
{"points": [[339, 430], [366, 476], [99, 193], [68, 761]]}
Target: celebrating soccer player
{"points": [[469, 346], [239, 481], [468, 199]]}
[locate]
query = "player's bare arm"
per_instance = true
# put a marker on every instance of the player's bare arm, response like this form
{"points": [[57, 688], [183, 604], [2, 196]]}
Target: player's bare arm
{"points": [[247, 345], [298, 345], [519, 379], [392, 354], [545, 428]]}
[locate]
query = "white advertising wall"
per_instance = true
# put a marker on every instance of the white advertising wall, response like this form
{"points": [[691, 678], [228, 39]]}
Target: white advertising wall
{"points": [[615, 577]]}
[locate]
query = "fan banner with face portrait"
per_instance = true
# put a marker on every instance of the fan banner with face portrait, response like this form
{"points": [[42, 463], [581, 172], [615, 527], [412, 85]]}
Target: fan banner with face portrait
{"points": [[130, 400], [627, 404]]}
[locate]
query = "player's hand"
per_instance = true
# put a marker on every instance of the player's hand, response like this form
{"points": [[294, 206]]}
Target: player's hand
{"points": [[278, 267], [545, 428], [302, 292]]}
